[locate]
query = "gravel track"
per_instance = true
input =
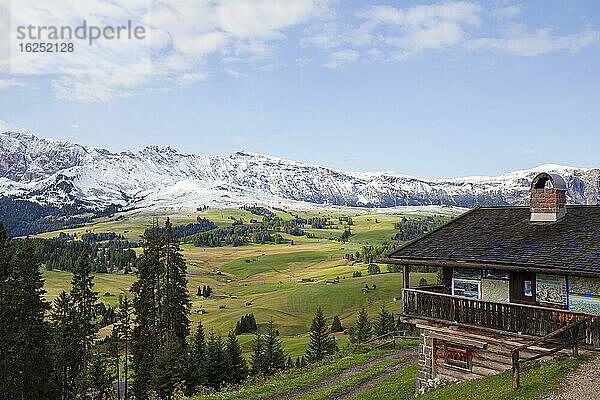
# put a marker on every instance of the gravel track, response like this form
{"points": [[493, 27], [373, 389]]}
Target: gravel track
{"points": [[581, 384], [330, 380]]}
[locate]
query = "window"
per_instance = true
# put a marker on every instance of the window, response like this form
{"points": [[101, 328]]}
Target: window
{"points": [[457, 356]]}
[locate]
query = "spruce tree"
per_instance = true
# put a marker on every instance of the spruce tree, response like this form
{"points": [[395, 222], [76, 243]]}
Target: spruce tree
{"points": [[124, 335], [145, 337], [174, 300], [198, 358], [215, 361], [65, 328], [336, 325], [320, 343], [86, 307], [99, 379], [384, 323], [236, 367], [362, 331], [26, 372], [274, 355], [257, 359]]}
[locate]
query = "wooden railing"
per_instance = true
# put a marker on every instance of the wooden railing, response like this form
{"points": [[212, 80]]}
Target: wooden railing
{"points": [[571, 337], [507, 317]]}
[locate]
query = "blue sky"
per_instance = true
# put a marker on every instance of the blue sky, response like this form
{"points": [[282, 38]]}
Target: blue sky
{"points": [[431, 89]]}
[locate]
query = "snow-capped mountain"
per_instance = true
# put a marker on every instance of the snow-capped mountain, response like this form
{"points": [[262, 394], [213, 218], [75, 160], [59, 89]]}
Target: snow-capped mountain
{"points": [[56, 172]]}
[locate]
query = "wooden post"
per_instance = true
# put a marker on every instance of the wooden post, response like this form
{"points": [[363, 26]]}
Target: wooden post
{"points": [[576, 344], [515, 369], [405, 276]]}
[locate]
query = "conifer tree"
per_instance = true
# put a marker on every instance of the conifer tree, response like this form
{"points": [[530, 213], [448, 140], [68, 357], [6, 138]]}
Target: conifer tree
{"points": [[99, 379], [124, 336], [362, 331], [6, 309], [174, 301], [320, 343], [336, 325], [86, 307], [236, 367], [197, 358], [257, 359], [384, 323], [274, 355], [26, 359], [65, 328], [145, 338], [215, 361]]}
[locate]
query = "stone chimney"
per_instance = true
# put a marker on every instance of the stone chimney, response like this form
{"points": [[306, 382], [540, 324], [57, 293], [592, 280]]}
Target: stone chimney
{"points": [[548, 198]]}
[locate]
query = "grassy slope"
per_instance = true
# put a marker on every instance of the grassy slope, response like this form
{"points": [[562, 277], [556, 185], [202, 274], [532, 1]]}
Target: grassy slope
{"points": [[294, 379], [537, 380]]}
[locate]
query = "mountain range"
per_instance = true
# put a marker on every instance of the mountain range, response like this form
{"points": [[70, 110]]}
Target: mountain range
{"points": [[58, 172]]}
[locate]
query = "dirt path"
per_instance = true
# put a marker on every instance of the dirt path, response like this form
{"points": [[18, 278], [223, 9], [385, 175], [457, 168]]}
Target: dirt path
{"points": [[582, 384], [374, 381], [330, 380]]}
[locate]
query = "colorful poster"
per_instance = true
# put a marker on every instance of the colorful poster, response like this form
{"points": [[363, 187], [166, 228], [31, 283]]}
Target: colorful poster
{"points": [[550, 289], [495, 290], [466, 288], [467, 273], [496, 274], [527, 288], [578, 284], [584, 303]]}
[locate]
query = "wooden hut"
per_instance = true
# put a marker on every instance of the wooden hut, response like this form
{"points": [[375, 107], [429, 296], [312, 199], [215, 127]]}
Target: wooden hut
{"points": [[517, 283]]}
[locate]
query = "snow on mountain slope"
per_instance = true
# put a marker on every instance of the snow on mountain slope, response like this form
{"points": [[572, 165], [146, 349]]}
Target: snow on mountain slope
{"points": [[58, 172]]}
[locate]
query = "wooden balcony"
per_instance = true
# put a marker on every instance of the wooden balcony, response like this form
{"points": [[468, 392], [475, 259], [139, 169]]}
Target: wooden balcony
{"points": [[428, 304]]}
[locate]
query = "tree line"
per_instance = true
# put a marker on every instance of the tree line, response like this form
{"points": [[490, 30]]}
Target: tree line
{"points": [[49, 351]]}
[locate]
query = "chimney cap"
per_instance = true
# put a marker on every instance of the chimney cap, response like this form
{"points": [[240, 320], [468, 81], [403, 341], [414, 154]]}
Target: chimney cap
{"points": [[539, 182]]}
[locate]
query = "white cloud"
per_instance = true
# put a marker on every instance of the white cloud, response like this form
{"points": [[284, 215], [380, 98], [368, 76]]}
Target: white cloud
{"points": [[341, 58], [528, 152], [185, 39], [536, 43], [302, 61], [4, 126], [507, 12], [74, 126], [11, 82]]}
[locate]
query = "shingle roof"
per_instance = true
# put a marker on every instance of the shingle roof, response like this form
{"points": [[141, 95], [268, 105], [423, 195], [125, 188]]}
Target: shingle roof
{"points": [[505, 236]]}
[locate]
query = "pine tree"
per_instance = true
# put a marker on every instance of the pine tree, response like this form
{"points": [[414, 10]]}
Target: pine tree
{"points": [[145, 338], [274, 355], [320, 343], [257, 360], [115, 353], [64, 341], [86, 307], [289, 364], [198, 358], [99, 379], [362, 331], [236, 367], [215, 361], [124, 335], [26, 362], [174, 300], [336, 325], [384, 323]]}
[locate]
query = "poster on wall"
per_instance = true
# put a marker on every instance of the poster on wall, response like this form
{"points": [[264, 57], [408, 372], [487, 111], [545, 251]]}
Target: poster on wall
{"points": [[496, 290], [584, 303], [496, 274], [578, 284], [527, 288], [467, 273], [550, 289], [584, 295], [466, 288]]}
